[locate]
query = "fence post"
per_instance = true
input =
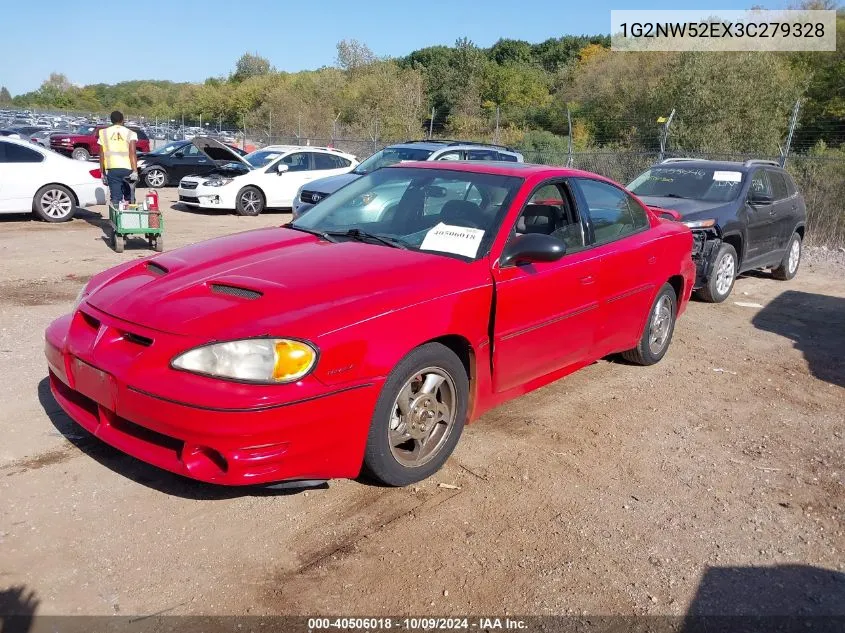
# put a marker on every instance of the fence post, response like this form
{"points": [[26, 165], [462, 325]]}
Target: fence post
{"points": [[496, 137], [569, 134], [792, 122], [664, 133], [431, 123]]}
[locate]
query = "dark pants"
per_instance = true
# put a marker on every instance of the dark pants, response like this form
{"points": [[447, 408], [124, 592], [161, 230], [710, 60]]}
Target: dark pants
{"points": [[119, 186]]}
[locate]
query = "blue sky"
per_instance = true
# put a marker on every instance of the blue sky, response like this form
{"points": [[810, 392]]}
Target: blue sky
{"points": [[189, 40]]}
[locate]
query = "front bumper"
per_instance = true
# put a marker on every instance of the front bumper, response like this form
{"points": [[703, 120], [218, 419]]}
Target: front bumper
{"points": [[206, 197], [318, 437]]}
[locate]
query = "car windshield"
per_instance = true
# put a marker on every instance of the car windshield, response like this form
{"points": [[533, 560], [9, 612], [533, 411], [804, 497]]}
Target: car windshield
{"points": [[696, 183], [262, 157], [456, 213], [85, 130], [391, 156], [167, 149]]}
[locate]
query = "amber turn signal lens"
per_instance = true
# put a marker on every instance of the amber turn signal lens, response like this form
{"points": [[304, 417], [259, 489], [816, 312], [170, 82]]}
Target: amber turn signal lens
{"points": [[293, 360]]}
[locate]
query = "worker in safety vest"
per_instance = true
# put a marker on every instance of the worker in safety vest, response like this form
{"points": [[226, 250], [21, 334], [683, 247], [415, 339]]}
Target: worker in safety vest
{"points": [[118, 161]]}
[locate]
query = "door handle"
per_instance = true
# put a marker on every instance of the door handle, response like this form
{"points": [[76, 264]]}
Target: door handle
{"points": [[772, 212], [586, 281]]}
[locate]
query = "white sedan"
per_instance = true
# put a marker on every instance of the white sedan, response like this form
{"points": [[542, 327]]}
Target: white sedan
{"points": [[266, 178], [36, 179]]}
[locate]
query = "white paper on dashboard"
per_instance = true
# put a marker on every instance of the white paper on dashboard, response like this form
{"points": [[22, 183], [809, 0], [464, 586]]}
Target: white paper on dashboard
{"points": [[727, 176], [460, 240]]}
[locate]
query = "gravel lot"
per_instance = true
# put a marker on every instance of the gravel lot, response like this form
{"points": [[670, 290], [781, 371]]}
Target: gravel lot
{"points": [[712, 482]]}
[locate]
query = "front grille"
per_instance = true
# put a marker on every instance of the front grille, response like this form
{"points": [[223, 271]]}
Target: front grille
{"points": [[188, 185], [312, 197], [235, 291]]}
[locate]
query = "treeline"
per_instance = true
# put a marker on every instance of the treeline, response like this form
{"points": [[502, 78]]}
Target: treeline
{"points": [[528, 92]]}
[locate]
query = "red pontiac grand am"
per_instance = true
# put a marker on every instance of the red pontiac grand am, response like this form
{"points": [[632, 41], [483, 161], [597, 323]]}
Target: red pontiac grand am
{"points": [[364, 335]]}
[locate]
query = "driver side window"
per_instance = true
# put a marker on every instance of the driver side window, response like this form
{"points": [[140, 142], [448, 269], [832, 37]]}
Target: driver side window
{"points": [[298, 161], [550, 211], [760, 183]]}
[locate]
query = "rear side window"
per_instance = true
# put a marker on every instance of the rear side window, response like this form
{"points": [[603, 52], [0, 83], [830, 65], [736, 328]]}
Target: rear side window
{"points": [[329, 161], [482, 154], [507, 157], [13, 153], [612, 211], [779, 188]]}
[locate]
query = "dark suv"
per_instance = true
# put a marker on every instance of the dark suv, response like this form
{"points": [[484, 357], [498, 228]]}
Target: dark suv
{"points": [[742, 215]]}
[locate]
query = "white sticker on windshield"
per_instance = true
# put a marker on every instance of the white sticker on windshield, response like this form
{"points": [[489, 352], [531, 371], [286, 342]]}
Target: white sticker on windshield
{"points": [[460, 240], [270, 157], [727, 176]]}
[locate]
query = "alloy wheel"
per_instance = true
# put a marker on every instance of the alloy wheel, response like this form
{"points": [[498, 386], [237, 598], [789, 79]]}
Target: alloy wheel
{"points": [[155, 178], [251, 202], [56, 203], [423, 416], [794, 256], [725, 274], [660, 325]]}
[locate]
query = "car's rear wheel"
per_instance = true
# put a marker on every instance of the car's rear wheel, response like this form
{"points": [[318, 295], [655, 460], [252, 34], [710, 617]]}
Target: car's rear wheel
{"points": [[118, 242], [54, 203], [155, 178], [80, 153], [250, 201], [789, 266], [658, 331], [721, 281], [418, 418]]}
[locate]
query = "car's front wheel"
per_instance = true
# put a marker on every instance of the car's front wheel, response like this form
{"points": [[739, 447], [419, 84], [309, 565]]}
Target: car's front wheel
{"points": [[54, 203], [155, 178], [419, 416], [723, 276], [80, 153], [250, 201], [789, 266], [658, 331]]}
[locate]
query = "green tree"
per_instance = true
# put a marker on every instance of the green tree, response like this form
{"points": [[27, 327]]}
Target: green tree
{"points": [[250, 65], [507, 51], [5, 97], [352, 55]]}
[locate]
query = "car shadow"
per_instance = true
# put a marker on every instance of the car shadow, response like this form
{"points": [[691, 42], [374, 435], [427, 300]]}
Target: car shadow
{"points": [[780, 598], [18, 605], [815, 324], [146, 474], [178, 206]]}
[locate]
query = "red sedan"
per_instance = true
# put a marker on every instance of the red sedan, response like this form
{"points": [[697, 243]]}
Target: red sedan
{"points": [[363, 336]]}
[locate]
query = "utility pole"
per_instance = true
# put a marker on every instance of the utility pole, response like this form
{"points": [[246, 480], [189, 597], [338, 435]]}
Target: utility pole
{"points": [[496, 137], [431, 123], [243, 140], [299, 136], [664, 133], [793, 121], [200, 121], [270, 132], [569, 134]]}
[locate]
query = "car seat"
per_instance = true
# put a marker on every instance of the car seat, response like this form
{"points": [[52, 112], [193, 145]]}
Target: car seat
{"points": [[462, 213], [539, 218]]}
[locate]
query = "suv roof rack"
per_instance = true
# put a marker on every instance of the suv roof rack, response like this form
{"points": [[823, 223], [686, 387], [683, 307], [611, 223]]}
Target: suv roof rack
{"points": [[757, 161], [680, 160], [450, 142]]}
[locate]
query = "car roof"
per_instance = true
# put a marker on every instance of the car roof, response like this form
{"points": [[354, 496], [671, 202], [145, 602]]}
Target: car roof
{"points": [[728, 165], [501, 168], [436, 144], [310, 148]]}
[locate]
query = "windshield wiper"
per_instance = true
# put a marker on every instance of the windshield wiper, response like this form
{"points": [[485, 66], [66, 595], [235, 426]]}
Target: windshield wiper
{"points": [[362, 236], [321, 234]]}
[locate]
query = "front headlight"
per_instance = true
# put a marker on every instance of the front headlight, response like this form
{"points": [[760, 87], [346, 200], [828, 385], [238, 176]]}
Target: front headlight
{"points": [[260, 360], [217, 182], [700, 224]]}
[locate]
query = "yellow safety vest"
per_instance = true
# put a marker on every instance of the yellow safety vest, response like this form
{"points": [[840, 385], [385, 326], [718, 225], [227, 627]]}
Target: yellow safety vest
{"points": [[114, 141]]}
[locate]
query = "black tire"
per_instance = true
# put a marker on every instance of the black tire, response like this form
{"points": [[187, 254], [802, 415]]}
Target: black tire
{"points": [[711, 292], [379, 461], [785, 271], [156, 177], [158, 243], [250, 201], [117, 242], [54, 203], [645, 353], [80, 153]]}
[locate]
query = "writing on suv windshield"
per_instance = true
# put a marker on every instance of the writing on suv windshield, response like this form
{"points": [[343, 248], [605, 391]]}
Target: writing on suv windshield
{"points": [[696, 183]]}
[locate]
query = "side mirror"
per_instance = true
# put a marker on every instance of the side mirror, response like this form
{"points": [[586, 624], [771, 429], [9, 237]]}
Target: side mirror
{"points": [[758, 197], [282, 168], [179, 154], [532, 247]]}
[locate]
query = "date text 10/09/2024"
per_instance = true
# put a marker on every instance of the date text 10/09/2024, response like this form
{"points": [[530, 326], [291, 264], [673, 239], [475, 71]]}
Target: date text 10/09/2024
{"points": [[416, 624]]}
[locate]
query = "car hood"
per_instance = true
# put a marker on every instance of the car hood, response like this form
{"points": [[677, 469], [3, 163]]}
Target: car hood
{"points": [[273, 281], [330, 184], [690, 209], [217, 151]]}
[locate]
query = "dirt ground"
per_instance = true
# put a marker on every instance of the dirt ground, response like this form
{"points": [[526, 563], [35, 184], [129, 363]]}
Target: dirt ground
{"points": [[711, 482]]}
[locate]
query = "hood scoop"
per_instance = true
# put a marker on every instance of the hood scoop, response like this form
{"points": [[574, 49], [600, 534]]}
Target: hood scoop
{"points": [[156, 269], [236, 291]]}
